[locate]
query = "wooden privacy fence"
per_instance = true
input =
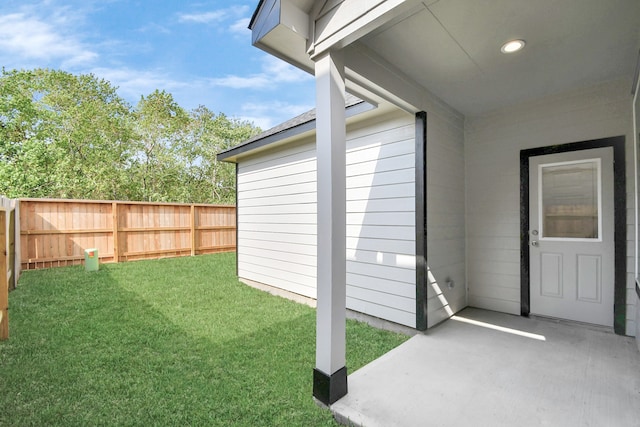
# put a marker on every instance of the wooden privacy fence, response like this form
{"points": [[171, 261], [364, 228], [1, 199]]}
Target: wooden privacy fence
{"points": [[57, 232]]}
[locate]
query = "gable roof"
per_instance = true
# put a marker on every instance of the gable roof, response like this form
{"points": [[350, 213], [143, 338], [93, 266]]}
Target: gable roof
{"points": [[255, 14], [303, 123]]}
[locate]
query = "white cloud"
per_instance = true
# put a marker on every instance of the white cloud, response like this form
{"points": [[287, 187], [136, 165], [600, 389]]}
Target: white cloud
{"points": [[214, 16], [282, 71], [256, 81], [203, 18], [134, 83], [284, 108], [27, 37], [154, 28], [240, 27], [274, 72], [263, 123]]}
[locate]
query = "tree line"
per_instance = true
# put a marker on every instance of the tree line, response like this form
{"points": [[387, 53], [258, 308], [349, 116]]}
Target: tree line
{"points": [[72, 136]]}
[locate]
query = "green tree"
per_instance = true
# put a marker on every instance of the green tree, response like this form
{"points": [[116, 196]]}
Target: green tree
{"points": [[158, 166], [62, 135], [212, 181], [72, 136]]}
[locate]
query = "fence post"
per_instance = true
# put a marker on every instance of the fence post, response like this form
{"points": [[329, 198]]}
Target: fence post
{"points": [[115, 220], [4, 284], [18, 250], [11, 250], [193, 230]]}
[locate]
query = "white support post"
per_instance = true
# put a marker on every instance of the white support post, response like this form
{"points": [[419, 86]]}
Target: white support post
{"points": [[330, 374]]}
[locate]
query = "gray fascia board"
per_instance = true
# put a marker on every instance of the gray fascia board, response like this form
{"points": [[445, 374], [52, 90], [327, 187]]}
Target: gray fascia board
{"points": [[299, 129], [255, 14], [268, 140]]}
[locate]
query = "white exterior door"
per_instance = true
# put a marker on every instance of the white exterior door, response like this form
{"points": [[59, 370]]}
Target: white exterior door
{"points": [[571, 235]]}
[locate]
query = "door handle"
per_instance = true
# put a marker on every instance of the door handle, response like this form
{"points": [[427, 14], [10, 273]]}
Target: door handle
{"points": [[534, 243]]}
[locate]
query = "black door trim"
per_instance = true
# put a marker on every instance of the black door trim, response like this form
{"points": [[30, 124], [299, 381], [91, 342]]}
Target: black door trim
{"points": [[620, 221]]}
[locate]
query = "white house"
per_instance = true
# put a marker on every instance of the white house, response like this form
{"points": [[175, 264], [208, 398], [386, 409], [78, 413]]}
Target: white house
{"points": [[469, 175], [277, 213]]}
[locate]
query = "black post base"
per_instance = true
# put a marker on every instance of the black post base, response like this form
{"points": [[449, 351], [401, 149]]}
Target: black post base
{"points": [[328, 389]]}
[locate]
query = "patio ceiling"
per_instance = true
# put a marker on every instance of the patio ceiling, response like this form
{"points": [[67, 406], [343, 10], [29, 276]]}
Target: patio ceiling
{"points": [[452, 47]]}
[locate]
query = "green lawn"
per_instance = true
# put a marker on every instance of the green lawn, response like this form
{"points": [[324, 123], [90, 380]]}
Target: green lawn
{"points": [[167, 342]]}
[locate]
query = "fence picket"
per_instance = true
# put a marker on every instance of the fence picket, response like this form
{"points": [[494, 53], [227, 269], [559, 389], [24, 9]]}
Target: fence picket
{"points": [[4, 283]]}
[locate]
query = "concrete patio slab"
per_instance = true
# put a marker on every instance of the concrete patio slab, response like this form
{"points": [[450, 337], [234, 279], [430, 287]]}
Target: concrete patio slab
{"points": [[483, 368]]}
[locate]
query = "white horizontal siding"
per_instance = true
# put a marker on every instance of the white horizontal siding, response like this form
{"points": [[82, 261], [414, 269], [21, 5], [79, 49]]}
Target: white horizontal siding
{"points": [[297, 208], [295, 153], [401, 204], [286, 238], [293, 189], [278, 279], [268, 261], [293, 163], [381, 270], [282, 247], [277, 255], [405, 247], [388, 144], [381, 221], [304, 198], [382, 311], [382, 232], [280, 181], [392, 287], [277, 218], [390, 191], [493, 145], [264, 266], [306, 229], [378, 166], [382, 178], [381, 218], [386, 299], [280, 218], [445, 218], [381, 257]]}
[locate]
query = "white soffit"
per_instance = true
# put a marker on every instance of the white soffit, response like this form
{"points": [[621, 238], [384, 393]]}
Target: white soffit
{"points": [[281, 28], [452, 48]]}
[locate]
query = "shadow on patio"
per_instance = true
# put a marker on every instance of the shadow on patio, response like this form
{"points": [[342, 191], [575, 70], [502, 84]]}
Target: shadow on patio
{"points": [[484, 368]]}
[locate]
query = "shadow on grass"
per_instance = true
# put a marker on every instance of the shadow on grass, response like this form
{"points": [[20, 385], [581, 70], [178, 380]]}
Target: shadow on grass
{"points": [[129, 346]]}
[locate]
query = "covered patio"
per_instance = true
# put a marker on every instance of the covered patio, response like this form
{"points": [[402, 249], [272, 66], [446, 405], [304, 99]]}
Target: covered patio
{"points": [[486, 368], [496, 126]]}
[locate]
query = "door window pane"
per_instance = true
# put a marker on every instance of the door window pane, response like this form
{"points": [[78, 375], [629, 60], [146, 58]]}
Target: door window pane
{"points": [[569, 197]]}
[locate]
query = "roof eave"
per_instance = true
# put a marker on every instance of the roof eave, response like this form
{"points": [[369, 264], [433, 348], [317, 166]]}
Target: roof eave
{"points": [[281, 29], [255, 14], [232, 155]]}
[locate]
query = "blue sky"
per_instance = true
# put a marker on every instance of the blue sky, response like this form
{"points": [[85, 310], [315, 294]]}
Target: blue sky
{"points": [[199, 51]]}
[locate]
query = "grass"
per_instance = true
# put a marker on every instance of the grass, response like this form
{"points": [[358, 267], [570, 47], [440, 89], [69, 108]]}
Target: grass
{"points": [[165, 342]]}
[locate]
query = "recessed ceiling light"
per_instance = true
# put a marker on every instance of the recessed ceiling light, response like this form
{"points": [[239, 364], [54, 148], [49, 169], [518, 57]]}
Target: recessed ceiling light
{"points": [[512, 46]]}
